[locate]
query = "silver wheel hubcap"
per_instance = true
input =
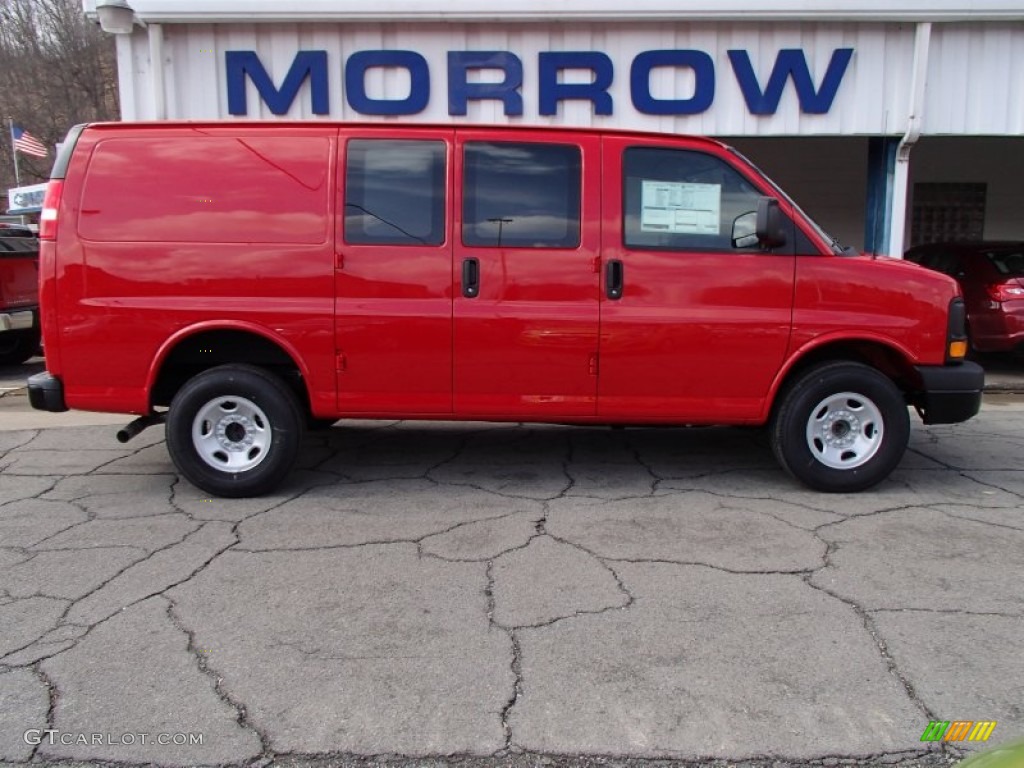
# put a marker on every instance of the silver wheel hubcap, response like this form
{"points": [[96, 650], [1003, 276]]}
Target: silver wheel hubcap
{"points": [[845, 430], [231, 434]]}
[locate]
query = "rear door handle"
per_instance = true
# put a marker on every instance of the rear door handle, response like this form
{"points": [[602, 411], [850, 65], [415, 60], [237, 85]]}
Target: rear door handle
{"points": [[614, 279], [470, 278]]}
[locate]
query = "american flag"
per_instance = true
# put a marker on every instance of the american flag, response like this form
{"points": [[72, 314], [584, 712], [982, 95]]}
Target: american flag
{"points": [[26, 143]]}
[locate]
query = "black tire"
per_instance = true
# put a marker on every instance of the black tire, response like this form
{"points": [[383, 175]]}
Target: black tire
{"points": [[837, 443], [18, 346], [248, 430]]}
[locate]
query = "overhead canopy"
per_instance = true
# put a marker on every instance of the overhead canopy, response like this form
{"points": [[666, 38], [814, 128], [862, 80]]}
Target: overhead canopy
{"points": [[207, 11]]}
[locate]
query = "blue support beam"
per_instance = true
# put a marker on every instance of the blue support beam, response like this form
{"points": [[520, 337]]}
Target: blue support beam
{"points": [[881, 169]]}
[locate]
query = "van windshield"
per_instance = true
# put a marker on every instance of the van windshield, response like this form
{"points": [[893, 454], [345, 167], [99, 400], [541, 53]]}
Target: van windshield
{"points": [[832, 241]]}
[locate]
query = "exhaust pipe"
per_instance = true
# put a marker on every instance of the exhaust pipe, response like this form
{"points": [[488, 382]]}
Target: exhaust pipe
{"points": [[128, 431]]}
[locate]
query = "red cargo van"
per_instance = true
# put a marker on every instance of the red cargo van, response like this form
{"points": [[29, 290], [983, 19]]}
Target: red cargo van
{"points": [[240, 279]]}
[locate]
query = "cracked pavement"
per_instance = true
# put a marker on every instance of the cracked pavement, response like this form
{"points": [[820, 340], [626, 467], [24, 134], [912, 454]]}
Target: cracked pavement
{"points": [[510, 595]]}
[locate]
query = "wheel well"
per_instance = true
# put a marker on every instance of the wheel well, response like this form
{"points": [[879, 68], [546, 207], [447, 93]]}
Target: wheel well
{"points": [[208, 349], [884, 359]]}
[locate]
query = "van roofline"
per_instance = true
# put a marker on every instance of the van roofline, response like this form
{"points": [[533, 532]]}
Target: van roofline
{"points": [[502, 128]]}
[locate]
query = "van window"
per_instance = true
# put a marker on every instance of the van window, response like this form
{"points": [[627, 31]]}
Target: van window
{"points": [[394, 192], [208, 189], [683, 200], [521, 195]]}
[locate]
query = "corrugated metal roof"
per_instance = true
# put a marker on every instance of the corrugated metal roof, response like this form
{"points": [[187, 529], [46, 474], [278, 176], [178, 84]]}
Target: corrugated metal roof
{"points": [[207, 11]]}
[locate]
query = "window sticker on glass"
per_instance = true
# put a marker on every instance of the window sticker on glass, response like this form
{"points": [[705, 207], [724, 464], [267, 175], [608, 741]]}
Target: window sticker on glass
{"points": [[678, 207]]}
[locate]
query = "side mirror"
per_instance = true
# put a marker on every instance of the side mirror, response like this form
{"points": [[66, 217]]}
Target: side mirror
{"points": [[771, 224]]}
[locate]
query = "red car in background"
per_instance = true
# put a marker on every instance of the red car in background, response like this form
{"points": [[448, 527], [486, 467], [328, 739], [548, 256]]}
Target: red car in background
{"points": [[991, 276], [19, 294]]}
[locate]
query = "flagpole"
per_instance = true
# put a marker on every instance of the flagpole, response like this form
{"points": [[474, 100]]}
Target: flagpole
{"points": [[14, 152]]}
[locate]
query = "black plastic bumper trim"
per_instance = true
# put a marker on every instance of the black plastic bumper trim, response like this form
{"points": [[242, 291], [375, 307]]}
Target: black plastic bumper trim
{"points": [[46, 393], [950, 393]]}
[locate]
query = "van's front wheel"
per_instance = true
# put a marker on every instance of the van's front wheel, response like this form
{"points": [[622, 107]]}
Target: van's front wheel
{"points": [[234, 430], [841, 427]]}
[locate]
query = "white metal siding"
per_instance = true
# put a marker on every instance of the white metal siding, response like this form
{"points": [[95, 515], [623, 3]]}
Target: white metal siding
{"points": [[870, 100], [973, 87]]}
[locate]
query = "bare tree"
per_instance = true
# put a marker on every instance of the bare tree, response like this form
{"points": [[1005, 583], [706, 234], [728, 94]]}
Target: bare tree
{"points": [[56, 69]]}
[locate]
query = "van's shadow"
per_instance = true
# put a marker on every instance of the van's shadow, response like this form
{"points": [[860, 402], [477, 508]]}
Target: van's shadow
{"points": [[537, 453]]}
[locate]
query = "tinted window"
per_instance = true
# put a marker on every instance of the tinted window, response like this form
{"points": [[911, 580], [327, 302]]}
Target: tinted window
{"points": [[521, 195], [394, 192], [209, 189], [18, 244], [684, 200], [1008, 263]]}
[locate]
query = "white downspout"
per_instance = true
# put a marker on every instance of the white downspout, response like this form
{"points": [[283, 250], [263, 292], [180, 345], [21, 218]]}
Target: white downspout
{"points": [[156, 67], [901, 175]]}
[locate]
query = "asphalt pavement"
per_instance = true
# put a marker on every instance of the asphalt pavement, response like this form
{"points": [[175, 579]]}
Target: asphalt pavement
{"points": [[481, 594]]}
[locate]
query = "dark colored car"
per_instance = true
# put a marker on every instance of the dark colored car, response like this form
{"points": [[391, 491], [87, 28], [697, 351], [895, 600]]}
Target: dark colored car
{"points": [[991, 276]]}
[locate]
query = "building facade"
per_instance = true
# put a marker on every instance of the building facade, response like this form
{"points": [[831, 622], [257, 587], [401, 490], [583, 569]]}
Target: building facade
{"points": [[890, 123]]}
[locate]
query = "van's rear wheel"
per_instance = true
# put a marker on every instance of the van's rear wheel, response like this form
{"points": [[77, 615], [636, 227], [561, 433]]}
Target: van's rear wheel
{"points": [[841, 427], [234, 430]]}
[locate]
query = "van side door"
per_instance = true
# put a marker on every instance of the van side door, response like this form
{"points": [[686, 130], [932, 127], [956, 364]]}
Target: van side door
{"points": [[526, 302], [695, 323], [393, 272]]}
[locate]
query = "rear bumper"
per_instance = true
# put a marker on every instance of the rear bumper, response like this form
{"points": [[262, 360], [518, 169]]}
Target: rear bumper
{"points": [[949, 393], [22, 320], [998, 330], [46, 393]]}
